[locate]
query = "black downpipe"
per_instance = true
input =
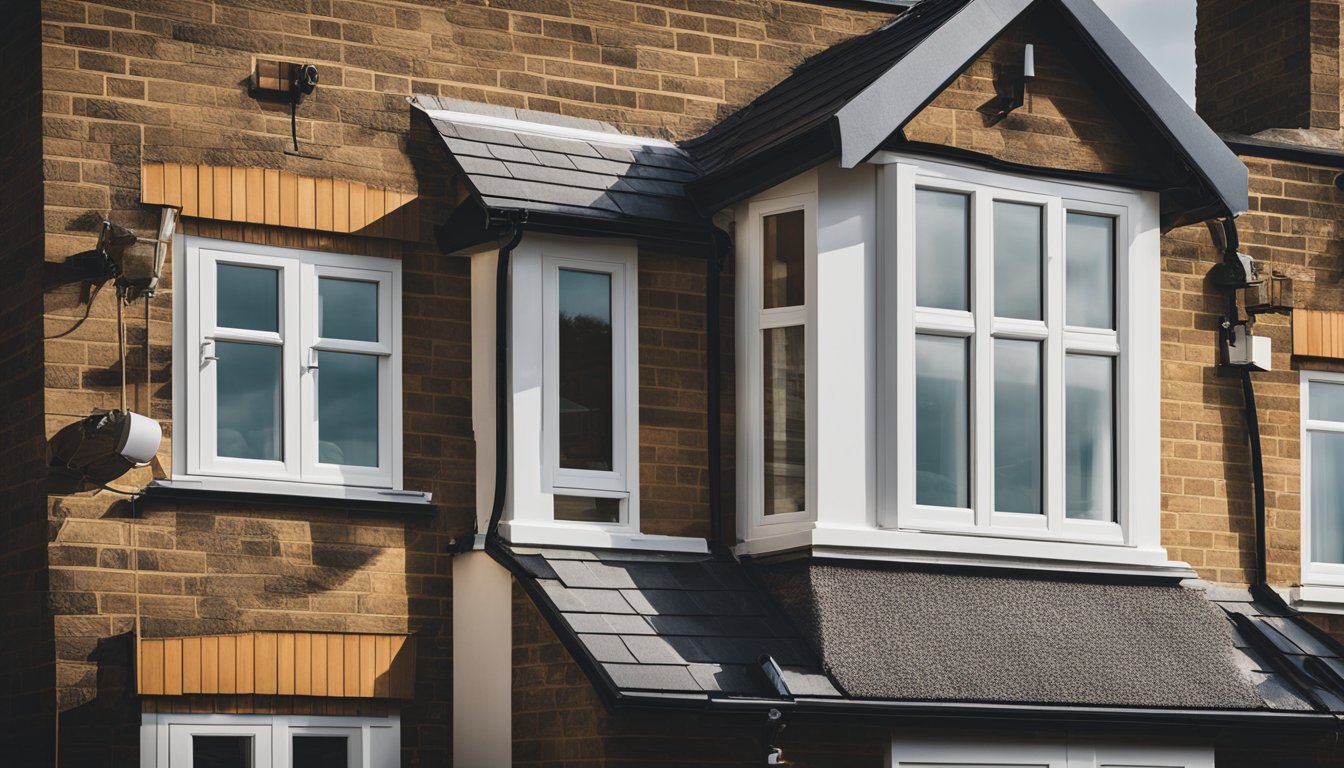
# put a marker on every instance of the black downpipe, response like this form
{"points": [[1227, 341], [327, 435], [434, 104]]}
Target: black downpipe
{"points": [[714, 386], [1231, 245], [502, 378]]}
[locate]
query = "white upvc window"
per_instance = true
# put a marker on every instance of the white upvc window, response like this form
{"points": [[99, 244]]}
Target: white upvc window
{"points": [[777, 393], [1076, 752], [288, 369], [1019, 404], [1322, 404], [269, 741]]}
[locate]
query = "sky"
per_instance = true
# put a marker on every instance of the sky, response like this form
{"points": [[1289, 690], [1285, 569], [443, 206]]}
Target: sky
{"points": [[1164, 31]]}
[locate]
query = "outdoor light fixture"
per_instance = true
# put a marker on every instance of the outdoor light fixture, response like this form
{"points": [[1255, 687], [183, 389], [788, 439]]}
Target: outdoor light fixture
{"points": [[288, 81], [1272, 296], [134, 262], [106, 445], [1017, 87]]}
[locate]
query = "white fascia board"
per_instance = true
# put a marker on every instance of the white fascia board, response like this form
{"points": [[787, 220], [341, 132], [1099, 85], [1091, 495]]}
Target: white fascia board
{"points": [[545, 129], [593, 536]]}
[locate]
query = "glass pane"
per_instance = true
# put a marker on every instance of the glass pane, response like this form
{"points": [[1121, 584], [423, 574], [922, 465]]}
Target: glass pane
{"points": [[586, 509], [585, 370], [785, 391], [1017, 426], [783, 267], [247, 297], [1017, 261], [1089, 266], [942, 421], [347, 409], [1327, 497], [247, 395], [347, 309], [221, 751], [1089, 437], [942, 249], [320, 752], [1325, 401]]}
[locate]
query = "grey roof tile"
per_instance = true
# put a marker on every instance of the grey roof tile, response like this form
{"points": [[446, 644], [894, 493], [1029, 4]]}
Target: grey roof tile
{"points": [[612, 576], [1302, 637], [608, 624], [586, 600], [654, 602], [509, 153], [724, 678], [651, 677], [537, 566], [712, 626], [653, 650], [575, 573], [607, 648]]}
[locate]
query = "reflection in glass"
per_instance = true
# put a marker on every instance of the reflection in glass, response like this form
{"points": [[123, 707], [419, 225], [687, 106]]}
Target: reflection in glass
{"points": [[785, 391], [347, 309], [942, 421], [247, 396], [247, 297], [1089, 267], [1325, 401], [1017, 261], [1327, 497], [320, 752], [221, 751], [942, 249], [783, 267], [347, 409], [1089, 437], [585, 370], [1017, 426], [587, 509]]}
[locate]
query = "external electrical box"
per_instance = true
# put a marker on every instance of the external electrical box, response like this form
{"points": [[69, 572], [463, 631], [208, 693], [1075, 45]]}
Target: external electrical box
{"points": [[1246, 350]]}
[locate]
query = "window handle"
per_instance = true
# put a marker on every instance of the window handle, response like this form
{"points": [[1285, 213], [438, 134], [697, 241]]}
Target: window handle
{"points": [[210, 342]]}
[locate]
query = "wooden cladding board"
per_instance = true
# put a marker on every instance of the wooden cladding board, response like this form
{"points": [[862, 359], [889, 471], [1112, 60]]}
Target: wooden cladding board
{"points": [[1318, 334], [280, 663], [281, 198]]}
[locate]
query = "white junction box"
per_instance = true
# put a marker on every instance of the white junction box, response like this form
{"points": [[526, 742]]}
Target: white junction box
{"points": [[1246, 349]]}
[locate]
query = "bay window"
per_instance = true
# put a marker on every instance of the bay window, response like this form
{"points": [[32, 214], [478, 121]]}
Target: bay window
{"points": [[289, 367], [1323, 486]]}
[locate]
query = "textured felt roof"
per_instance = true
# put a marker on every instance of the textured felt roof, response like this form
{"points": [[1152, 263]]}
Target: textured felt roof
{"points": [[919, 635], [511, 165], [679, 624]]}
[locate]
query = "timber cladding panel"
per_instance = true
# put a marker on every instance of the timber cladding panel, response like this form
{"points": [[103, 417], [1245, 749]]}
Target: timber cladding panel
{"points": [[281, 198], [279, 663], [1318, 334]]}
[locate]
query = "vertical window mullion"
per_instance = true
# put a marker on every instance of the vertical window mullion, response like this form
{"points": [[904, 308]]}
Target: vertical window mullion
{"points": [[982, 358], [298, 314], [1053, 410]]}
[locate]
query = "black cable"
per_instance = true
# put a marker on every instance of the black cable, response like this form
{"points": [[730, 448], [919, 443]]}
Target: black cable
{"points": [[294, 122], [1257, 474], [87, 309]]}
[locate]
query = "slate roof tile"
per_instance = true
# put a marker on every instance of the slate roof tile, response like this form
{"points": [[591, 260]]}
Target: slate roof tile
{"points": [[652, 677], [724, 678], [607, 648]]}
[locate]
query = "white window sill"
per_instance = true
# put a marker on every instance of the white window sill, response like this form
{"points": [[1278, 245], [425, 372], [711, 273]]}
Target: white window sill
{"points": [[1315, 598], [595, 536], [943, 548], [283, 488]]}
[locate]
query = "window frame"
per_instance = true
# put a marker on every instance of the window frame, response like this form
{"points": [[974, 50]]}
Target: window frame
{"points": [[374, 742], [754, 321], [1135, 421], [1066, 751], [1314, 573], [299, 472]]}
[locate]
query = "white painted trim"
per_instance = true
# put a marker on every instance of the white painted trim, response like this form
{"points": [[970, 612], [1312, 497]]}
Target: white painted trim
{"points": [[292, 488], [1067, 750], [567, 534], [165, 738], [195, 332], [545, 129]]}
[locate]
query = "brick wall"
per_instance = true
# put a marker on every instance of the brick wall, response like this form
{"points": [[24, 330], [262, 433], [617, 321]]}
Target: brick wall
{"points": [[1268, 65], [1062, 118], [26, 671]]}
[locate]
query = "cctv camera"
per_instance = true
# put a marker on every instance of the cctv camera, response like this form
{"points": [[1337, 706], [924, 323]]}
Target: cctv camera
{"points": [[305, 80]]}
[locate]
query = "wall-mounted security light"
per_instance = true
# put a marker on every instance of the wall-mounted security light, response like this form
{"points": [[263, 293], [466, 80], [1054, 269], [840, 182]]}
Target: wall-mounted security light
{"points": [[106, 445], [133, 262], [1272, 296], [285, 81], [1017, 85]]}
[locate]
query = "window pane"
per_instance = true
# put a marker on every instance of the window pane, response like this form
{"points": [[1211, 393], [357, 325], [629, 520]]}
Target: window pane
{"points": [[347, 409], [221, 751], [942, 249], [247, 394], [785, 390], [942, 421], [1089, 266], [1017, 261], [247, 297], [347, 309], [1017, 426], [783, 268], [1089, 437], [586, 509], [320, 752], [1325, 401], [585, 370], [1327, 497]]}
